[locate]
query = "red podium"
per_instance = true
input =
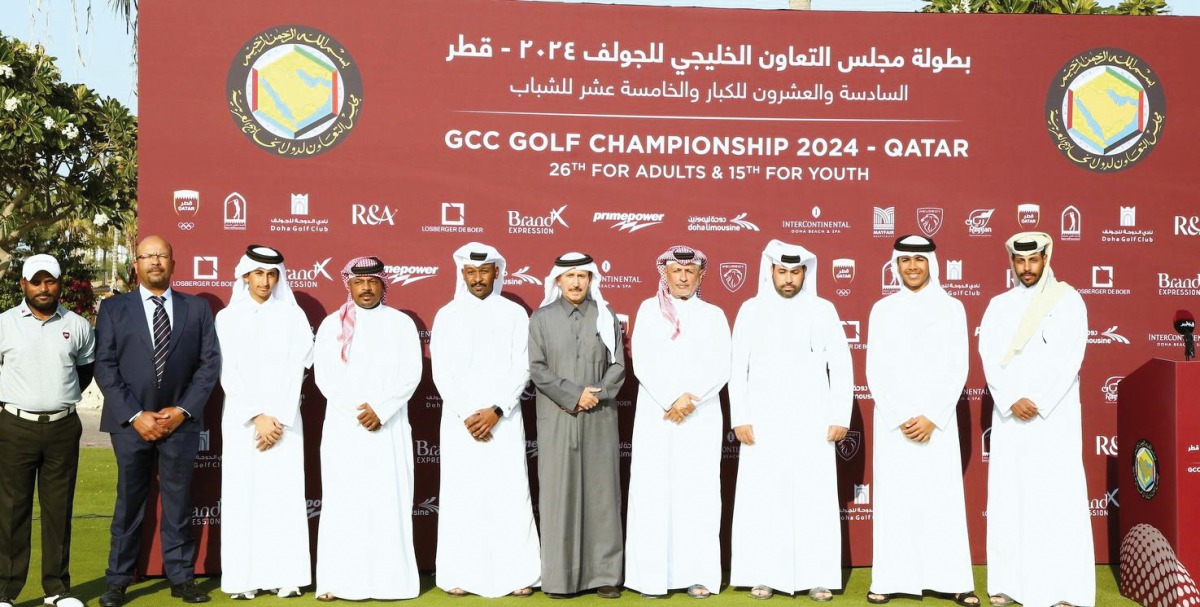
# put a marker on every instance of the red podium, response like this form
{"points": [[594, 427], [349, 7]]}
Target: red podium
{"points": [[1158, 423]]}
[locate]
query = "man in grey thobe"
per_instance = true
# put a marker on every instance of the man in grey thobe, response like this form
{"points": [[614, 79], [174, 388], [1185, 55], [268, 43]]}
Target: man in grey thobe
{"points": [[577, 362]]}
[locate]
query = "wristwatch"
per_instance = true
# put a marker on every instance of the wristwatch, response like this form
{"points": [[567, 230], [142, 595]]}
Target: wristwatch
{"points": [[498, 410]]}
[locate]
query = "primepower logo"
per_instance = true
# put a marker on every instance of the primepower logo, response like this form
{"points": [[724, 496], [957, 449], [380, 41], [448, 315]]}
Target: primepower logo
{"points": [[629, 222]]}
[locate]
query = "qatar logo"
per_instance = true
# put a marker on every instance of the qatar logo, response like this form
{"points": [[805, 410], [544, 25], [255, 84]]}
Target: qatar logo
{"points": [[294, 91], [1029, 214], [187, 204], [929, 219], [733, 275], [843, 270], [850, 444], [1145, 469], [1105, 110]]}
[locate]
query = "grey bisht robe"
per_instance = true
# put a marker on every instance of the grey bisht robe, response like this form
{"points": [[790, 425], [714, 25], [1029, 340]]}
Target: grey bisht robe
{"points": [[578, 454]]}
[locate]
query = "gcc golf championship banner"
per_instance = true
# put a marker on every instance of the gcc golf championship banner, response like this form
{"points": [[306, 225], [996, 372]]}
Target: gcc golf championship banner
{"points": [[406, 129]]}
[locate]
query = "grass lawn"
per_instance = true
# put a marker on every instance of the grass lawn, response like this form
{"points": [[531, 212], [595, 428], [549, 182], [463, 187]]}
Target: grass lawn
{"points": [[89, 555]]}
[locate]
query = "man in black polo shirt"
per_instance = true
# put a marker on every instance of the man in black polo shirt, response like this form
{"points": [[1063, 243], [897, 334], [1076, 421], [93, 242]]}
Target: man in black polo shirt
{"points": [[46, 355]]}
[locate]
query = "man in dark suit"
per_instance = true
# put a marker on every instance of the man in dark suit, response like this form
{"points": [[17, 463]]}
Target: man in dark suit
{"points": [[157, 360]]}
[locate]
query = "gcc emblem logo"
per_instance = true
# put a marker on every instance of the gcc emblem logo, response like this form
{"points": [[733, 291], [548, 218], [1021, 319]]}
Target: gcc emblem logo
{"points": [[1105, 109], [1145, 469], [294, 91]]}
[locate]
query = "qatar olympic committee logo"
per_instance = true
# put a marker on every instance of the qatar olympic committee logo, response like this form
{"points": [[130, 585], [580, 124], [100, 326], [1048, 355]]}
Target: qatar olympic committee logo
{"points": [[1105, 109], [294, 91]]}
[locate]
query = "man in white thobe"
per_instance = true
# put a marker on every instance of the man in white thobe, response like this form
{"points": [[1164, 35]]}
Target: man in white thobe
{"points": [[266, 345], [367, 364], [1031, 341], [917, 360], [681, 348], [479, 353], [790, 399]]}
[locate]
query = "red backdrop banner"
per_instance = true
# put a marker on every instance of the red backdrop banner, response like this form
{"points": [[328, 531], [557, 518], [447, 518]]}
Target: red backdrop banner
{"points": [[405, 129]]}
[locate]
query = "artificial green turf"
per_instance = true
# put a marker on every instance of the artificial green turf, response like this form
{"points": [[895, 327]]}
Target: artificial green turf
{"points": [[89, 555]]}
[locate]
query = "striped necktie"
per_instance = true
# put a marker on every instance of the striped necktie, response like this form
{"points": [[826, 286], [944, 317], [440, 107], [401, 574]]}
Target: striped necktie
{"points": [[162, 336]]}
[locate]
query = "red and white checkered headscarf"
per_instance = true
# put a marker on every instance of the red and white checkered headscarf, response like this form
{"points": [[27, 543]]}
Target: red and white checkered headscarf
{"points": [[665, 302], [349, 310]]}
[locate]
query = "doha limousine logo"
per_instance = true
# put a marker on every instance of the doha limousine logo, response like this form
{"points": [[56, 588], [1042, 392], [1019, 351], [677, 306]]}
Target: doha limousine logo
{"points": [[1105, 109], [294, 91]]}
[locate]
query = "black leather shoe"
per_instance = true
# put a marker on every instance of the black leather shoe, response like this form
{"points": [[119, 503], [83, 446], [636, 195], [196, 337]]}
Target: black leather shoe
{"points": [[609, 592], [114, 596], [190, 592]]}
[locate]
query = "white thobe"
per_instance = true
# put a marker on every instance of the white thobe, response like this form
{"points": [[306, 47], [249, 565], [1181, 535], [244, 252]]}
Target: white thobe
{"points": [[791, 379], [1039, 532], [365, 540], [479, 353], [265, 349], [917, 362], [674, 517]]}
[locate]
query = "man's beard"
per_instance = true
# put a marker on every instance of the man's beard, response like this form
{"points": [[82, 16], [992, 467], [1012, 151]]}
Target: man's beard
{"points": [[46, 308]]}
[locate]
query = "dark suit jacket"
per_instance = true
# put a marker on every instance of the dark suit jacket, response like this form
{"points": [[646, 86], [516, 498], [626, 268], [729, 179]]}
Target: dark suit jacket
{"points": [[125, 361]]}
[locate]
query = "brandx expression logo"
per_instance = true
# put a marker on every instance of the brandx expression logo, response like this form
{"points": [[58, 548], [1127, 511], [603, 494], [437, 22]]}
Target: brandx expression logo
{"points": [[294, 91], [1105, 109], [519, 223]]}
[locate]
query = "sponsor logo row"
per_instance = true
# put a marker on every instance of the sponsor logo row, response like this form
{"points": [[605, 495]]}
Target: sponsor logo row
{"points": [[453, 217]]}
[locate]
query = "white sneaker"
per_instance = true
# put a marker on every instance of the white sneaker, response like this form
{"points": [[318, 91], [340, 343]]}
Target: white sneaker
{"points": [[288, 593], [62, 600], [242, 596]]}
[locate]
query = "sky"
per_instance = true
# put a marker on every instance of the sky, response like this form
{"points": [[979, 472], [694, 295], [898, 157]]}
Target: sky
{"points": [[98, 53]]}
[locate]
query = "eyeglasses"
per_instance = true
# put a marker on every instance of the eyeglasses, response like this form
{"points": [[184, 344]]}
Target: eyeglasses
{"points": [[160, 256]]}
